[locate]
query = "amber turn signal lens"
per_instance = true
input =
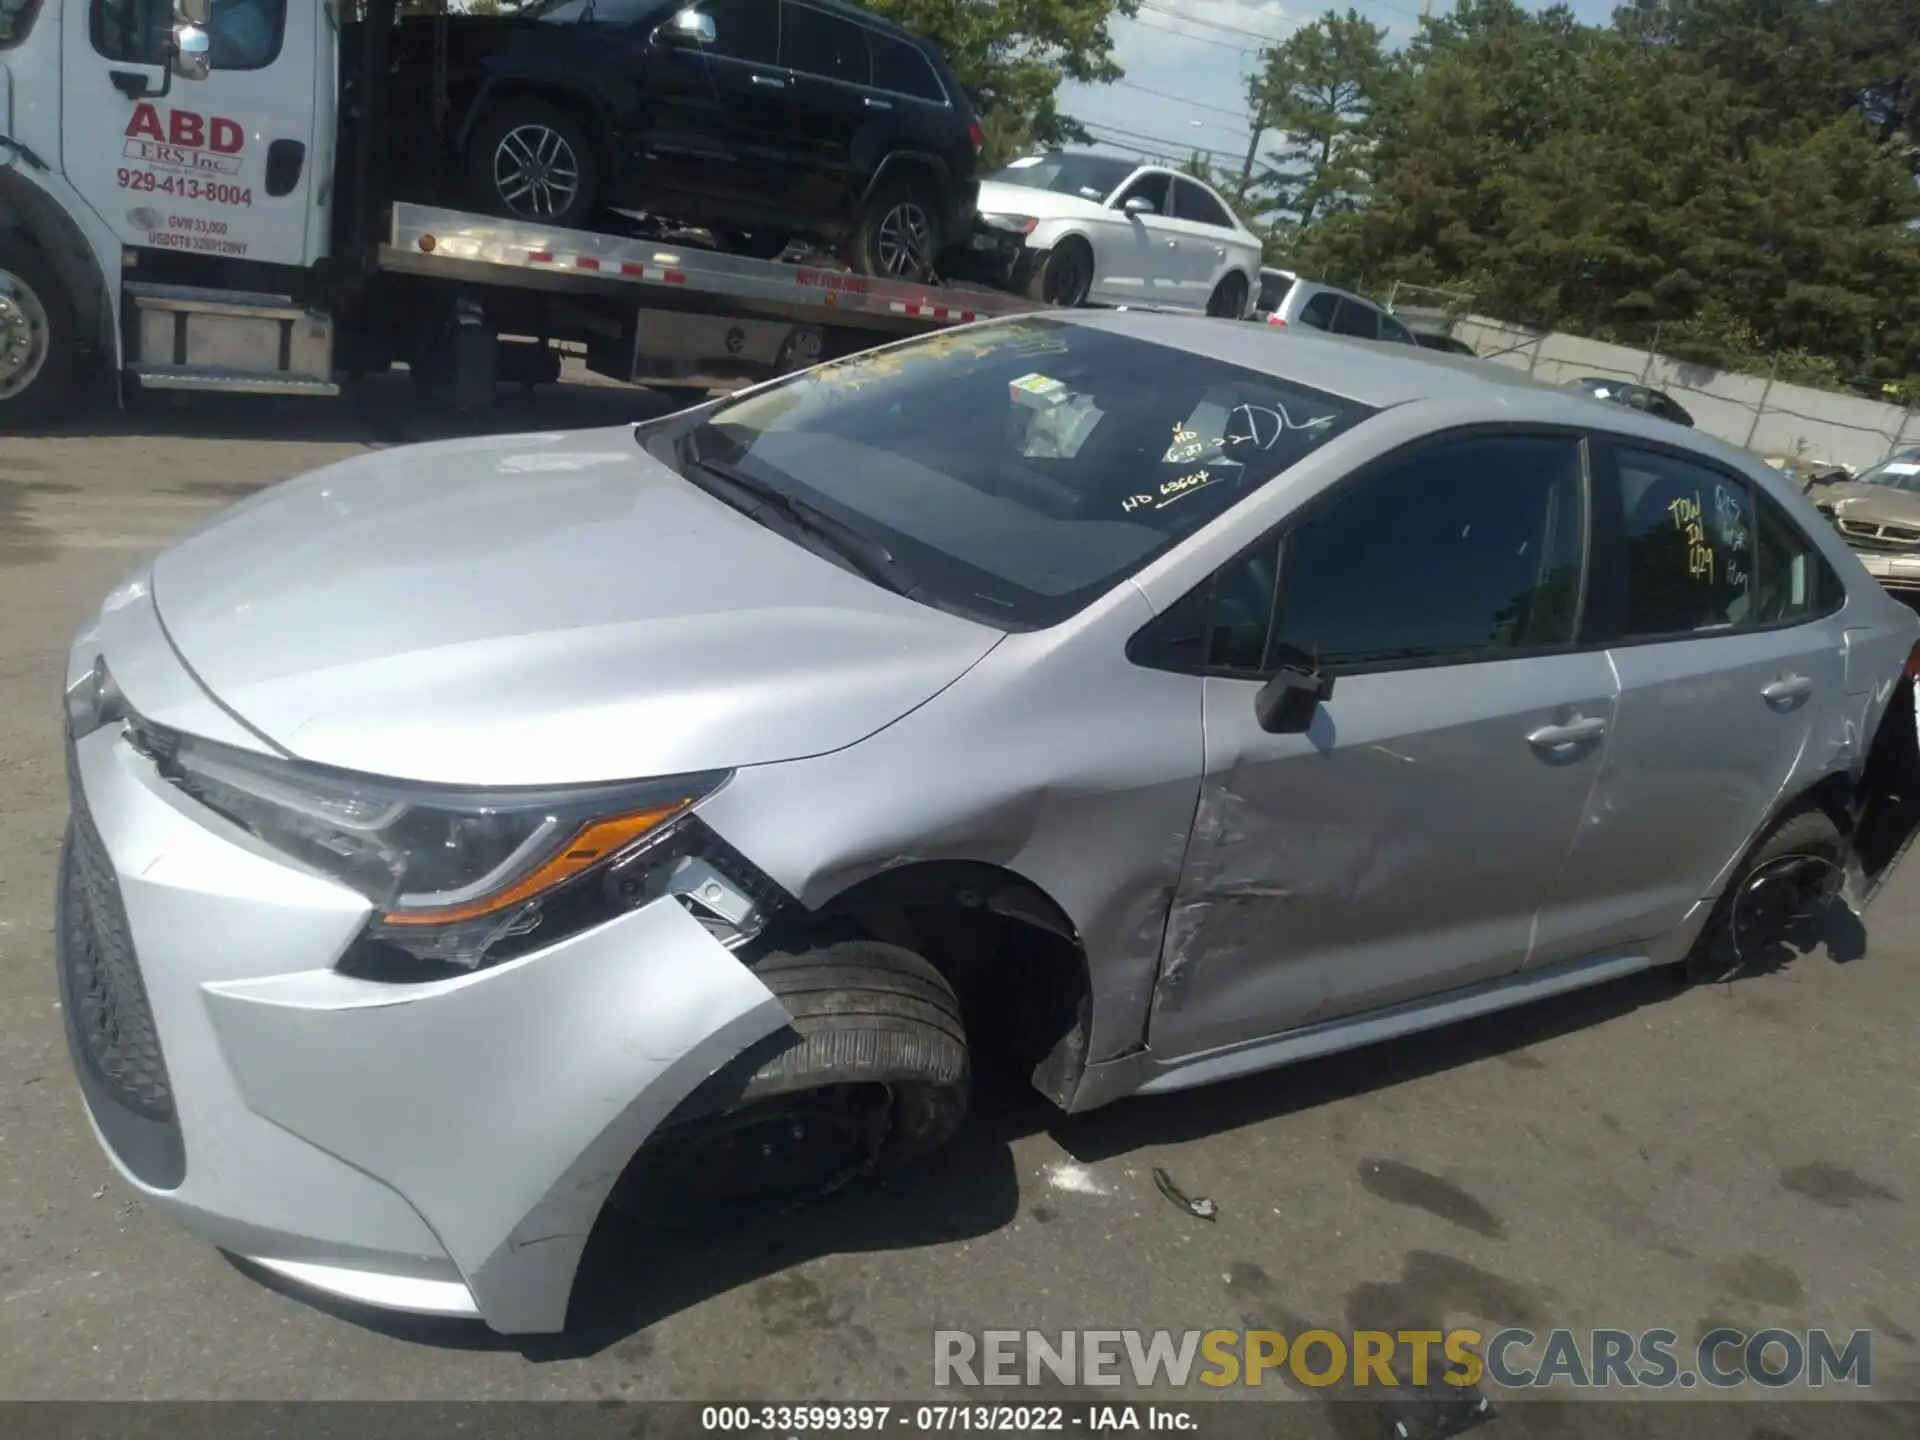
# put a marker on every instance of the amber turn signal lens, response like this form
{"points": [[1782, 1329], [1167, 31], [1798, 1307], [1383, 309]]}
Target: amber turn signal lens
{"points": [[590, 844]]}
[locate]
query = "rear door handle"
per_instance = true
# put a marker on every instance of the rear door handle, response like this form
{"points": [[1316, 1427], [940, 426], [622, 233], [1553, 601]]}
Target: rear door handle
{"points": [[772, 82], [873, 104], [1574, 732], [1787, 687], [1173, 244]]}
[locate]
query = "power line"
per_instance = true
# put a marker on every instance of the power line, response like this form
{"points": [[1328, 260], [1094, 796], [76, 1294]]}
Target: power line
{"points": [[1239, 115], [1134, 135], [1186, 35], [1171, 13]]}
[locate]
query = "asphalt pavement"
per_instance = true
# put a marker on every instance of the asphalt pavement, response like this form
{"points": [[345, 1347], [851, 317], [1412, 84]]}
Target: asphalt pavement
{"points": [[1633, 1157]]}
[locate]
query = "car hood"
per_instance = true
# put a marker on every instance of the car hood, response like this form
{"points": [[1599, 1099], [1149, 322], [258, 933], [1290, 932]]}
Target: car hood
{"points": [[1869, 504], [999, 198], [539, 610]]}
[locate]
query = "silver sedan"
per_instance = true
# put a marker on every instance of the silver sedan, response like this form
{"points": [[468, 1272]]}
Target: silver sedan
{"points": [[468, 837]]}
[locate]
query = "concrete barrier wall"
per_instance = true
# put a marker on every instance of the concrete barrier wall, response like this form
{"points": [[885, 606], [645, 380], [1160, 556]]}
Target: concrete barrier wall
{"points": [[1769, 417]]}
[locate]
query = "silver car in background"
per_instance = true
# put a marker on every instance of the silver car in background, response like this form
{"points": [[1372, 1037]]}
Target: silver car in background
{"points": [[470, 836]]}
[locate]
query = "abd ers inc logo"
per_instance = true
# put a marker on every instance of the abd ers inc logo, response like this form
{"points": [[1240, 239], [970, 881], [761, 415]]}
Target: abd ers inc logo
{"points": [[185, 141]]}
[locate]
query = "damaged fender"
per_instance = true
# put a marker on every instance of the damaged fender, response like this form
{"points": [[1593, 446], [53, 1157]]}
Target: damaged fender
{"points": [[563, 1063]]}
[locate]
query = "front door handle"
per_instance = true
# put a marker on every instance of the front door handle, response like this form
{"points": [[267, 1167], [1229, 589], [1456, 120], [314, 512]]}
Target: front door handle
{"points": [[772, 82], [1787, 687], [873, 104], [1574, 732], [1173, 244]]}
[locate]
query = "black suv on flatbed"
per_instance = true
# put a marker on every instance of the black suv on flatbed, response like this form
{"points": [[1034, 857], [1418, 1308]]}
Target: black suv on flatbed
{"points": [[763, 121]]}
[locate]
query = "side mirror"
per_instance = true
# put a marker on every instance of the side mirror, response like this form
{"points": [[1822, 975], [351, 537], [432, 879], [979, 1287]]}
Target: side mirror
{"points": [[1140, 205], [689, 27], [1286, 703], [192, 49], [192, 12]]}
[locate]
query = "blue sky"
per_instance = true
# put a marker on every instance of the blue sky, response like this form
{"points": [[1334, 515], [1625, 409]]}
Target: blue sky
{"points": [[1186, 64]]}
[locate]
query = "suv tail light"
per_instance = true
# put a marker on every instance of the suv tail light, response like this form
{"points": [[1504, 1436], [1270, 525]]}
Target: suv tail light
{"points": [[1913, 664], [976, 135], [1274, 319]]}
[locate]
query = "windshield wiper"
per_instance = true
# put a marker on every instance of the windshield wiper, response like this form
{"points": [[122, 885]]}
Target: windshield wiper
{"points": [[863, 552]]}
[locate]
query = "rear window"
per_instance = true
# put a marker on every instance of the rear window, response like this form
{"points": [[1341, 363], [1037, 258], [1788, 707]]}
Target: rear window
{"points": [[1273, 291], [1020, 470]]}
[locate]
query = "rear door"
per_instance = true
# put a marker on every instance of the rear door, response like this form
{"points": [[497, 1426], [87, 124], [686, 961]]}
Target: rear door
{"points": [[1402, 845], [1731, 659], [220, 167], [831, 69]]}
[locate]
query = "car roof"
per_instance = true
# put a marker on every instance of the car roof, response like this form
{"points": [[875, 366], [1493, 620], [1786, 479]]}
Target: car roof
{"points": [[1381, 374]]}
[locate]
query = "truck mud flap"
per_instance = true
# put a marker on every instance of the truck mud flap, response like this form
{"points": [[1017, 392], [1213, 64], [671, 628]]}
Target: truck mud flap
{"points": [[1887, 807]]}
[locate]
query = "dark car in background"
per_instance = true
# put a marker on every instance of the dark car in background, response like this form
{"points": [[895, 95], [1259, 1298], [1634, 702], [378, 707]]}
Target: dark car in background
{"points": [[761, 121], [1445, 344], [1635, 397]]}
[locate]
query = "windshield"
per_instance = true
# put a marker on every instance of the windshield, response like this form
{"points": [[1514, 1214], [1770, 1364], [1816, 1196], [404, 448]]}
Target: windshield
{"points": [[1015, 472], [1898, 472], [1091, 177]]}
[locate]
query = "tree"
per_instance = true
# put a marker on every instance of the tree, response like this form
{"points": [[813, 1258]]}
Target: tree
{"points": [[1318, 87], [1011, 56]]}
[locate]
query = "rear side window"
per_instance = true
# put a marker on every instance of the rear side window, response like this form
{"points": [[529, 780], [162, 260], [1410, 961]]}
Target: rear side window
{"points": [[1191, 202], [1690, 546], [16, 19], [1358, 319], [816, 43], [745, 30], [899, 67], [1320, 310]]}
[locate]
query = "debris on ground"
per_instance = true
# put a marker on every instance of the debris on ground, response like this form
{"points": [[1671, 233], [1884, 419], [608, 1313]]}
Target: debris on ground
{"points": [[1428, 1415], [1075, 1179], [1197, 1206]]}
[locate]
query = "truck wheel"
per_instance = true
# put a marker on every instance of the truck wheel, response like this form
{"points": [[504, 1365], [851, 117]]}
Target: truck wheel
{"points": [[1065, 276], [873, 1075], [896, 235], [529, 161], [39, 335], [1796, 869]]}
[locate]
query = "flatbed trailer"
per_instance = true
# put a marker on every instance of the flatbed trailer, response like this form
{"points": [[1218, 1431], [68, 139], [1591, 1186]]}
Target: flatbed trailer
{"points": [[235, 231]]}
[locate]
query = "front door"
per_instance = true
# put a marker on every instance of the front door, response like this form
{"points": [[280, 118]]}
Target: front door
{"points": [[1732, 676], [1402, 845], [831, 104], [223, 166], [1202, 227], [718, 113], [1131, 253]]}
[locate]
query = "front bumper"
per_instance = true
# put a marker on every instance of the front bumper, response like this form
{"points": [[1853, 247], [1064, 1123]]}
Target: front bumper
{"points": [[443, 1148], [1897, 573]]}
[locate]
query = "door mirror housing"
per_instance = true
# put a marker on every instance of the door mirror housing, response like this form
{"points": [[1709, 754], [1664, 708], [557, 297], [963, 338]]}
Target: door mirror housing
{"points": [[192, 52], [689, 27], [1286, 704], [1140, 205], [192, 12]]}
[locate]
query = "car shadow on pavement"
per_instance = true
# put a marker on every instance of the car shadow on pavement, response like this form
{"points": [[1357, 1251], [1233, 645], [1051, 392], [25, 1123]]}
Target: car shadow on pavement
{"points": [[633, 1276]]}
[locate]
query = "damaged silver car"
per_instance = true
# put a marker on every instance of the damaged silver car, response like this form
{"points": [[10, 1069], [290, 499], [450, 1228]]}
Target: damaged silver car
{"points": [[1878, 514], [472, 836]]}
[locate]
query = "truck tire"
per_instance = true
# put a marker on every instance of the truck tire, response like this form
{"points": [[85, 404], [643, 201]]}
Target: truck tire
{"points": [[896, 234], [39, 335], [872, 1075], [529, 160], [1796, 868], [1065, 276]]}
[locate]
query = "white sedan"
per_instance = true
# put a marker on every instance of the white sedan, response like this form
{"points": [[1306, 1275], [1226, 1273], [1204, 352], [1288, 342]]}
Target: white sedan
{"points": [[1108, 231]]}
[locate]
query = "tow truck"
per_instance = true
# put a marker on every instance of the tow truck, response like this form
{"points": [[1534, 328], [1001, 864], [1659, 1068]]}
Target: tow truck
{"points": [[200, 228]]}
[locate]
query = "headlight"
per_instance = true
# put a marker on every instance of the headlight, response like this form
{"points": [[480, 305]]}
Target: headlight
{"points": [[461, 879], [1016, 224]]}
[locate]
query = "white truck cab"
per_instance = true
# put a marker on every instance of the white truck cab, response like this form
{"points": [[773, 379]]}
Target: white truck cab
{"points": [[185, 197]]}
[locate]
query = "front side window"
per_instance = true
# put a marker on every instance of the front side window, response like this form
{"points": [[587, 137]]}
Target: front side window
{"points": [[1151, 188], [1084, 455], [16, 19], [1690, 544], [134, 31], [245, 34], [1466, 550], [744, 30]]}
